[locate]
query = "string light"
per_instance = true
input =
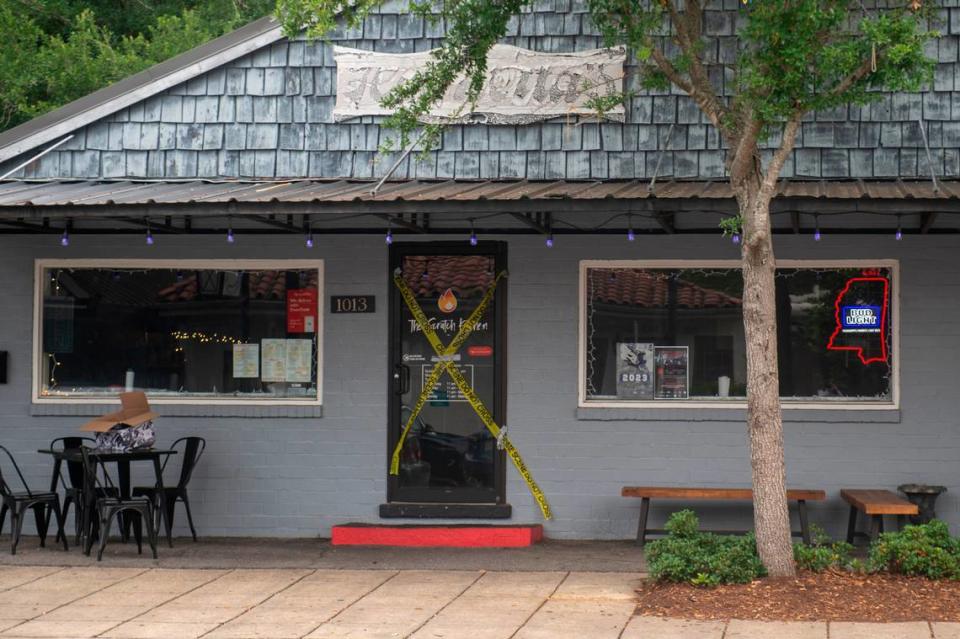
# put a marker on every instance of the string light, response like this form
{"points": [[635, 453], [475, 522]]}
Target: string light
{"points": [[816, 232], [631, 236], [389, 238], [205, 338], [899, 234], [230, 238], [549, 241], [65, 238], [309, 241], [473, 235], [149, 235], [735, 238]]}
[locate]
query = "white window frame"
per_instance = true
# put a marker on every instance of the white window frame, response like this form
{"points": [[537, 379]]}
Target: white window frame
{"points": [[823, 404], [212, 264]]}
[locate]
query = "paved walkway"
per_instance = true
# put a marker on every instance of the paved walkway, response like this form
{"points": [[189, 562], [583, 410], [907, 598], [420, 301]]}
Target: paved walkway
{"points": [[146, 603]]}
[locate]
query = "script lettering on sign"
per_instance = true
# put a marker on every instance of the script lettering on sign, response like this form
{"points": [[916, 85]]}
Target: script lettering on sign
{"points": [[522, 86]]}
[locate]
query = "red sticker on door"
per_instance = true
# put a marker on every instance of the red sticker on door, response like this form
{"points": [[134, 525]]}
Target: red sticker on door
{"points": [[479, 351]]}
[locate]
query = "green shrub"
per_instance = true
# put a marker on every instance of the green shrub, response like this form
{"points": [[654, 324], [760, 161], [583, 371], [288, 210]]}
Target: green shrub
{"points": [[702, 559], [822, 553], [927, 550], [820, 557]]}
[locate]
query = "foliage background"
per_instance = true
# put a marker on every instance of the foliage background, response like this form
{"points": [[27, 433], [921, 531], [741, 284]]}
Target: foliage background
{"points": [[55, 51]]}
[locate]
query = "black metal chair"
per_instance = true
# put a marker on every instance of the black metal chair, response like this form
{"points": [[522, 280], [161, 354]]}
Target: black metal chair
{"points": [[193, 448], [101, 500], [19, 502], [72, 492]]}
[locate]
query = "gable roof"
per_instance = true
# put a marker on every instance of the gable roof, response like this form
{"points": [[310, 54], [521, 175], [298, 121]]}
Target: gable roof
{"points": [[151, 81]]}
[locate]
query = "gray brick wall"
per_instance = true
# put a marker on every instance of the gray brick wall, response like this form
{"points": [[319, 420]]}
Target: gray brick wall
{"points": [[269, 115], [284, 476]]}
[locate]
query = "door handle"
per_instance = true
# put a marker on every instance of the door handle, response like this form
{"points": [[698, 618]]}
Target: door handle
{"points": [[401, 377]]}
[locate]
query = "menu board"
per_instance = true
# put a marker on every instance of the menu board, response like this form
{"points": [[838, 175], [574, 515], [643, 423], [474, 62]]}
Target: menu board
{"points": [[246, 360], [299, 358], [287, 360], [634, 370], [273, 360], [673, 372]]}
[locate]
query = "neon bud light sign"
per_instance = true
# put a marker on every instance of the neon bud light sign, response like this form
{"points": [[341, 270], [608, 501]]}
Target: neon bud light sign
{"points": [[860, 319], [864, 324]]}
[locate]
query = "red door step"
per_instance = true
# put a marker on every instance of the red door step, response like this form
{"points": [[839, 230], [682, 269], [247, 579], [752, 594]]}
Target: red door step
{"points": [[437, 536]]}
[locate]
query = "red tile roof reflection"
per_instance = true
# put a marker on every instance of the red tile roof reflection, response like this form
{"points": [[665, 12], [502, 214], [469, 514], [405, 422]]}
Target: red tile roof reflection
{"points": [[635, 287], [431, 275], [261, 285]]}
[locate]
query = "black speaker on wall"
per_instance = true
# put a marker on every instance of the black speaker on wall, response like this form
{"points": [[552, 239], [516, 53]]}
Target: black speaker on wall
{"points": [[3, 367]]}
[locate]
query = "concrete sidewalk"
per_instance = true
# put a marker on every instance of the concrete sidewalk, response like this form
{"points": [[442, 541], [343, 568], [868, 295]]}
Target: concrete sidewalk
{"points": [[292, 588], [147, 603]]}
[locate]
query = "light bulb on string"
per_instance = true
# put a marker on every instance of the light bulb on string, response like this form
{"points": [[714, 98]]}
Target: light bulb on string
{"points": [[473, 235], [65, 238], [899, 234], [735, 238], [149, 236], [230, 238], [631, 236], [549, 241], [816, 231], [389, 238], [309, 240]]}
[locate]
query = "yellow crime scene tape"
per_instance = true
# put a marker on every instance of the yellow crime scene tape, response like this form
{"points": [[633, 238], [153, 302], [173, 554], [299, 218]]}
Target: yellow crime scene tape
{"points": [[446, 363]]}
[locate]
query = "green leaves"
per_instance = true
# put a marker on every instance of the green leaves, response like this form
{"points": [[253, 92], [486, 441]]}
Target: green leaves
{"points": [[927, 550], [803, 55], [702, 559], [66, 53]]}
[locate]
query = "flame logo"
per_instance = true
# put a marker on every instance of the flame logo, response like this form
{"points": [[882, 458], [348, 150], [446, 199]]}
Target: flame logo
{"points": [[447, 302]]}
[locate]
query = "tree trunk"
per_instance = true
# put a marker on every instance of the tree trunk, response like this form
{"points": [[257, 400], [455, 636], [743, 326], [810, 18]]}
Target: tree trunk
{"points": [[764, 417]]}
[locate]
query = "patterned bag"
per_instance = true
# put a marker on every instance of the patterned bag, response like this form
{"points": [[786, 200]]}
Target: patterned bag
{"points": [[123, 438]]}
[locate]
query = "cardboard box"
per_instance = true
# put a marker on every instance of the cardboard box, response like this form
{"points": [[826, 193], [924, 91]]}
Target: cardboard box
{"points": [[135, 410]]}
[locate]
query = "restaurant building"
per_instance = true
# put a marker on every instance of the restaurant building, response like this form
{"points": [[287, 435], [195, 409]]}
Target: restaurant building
{"points": [[222, 232]]}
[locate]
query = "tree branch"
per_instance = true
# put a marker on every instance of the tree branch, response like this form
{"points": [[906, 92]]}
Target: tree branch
{"points": [[668, 69], [858, 74], [689, 34], [780, 156]]}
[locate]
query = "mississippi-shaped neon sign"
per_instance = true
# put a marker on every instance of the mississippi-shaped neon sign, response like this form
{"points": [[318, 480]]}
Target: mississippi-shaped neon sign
{"points": [[861, 318]]}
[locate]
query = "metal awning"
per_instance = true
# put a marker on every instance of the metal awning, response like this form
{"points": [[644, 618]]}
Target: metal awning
{"points": [[127, 192], [450, 206]]}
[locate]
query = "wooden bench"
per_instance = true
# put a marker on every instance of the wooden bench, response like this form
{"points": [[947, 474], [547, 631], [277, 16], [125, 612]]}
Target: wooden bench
{"points": [[648, 493], [875, 503]]}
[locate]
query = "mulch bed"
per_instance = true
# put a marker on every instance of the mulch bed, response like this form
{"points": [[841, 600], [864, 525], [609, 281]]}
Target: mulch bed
{"points": [[829, 596]]}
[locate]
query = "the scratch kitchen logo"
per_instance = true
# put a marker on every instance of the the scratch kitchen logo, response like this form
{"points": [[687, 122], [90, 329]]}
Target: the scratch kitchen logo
{"points": [[447, 302], [447, 325]]}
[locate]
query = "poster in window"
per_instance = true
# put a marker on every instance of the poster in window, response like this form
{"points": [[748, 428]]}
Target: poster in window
{"points": [[246, 361], [302, 310], [273, 360], [635, 370], [673, 372], [299, 356], [232, 283]]}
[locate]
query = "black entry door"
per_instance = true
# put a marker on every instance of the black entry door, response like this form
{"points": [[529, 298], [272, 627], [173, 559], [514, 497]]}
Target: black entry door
{"points": [[449, 456]]}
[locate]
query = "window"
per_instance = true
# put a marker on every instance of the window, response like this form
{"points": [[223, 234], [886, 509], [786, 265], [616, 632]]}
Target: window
{"points": [[202, 331], [670, 332]]}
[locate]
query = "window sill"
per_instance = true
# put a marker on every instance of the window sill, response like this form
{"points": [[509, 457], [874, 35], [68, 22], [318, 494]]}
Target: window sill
{"points": [[873, 413], [67, 408]]}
